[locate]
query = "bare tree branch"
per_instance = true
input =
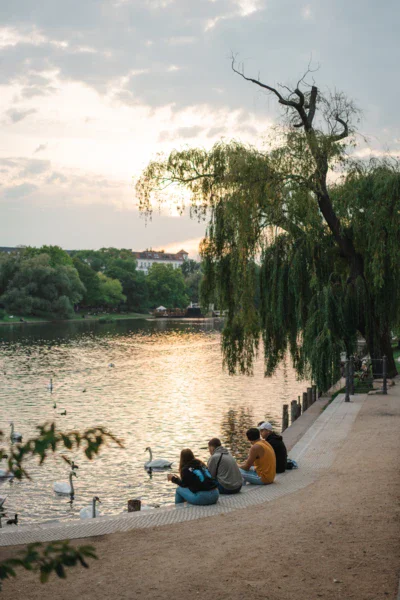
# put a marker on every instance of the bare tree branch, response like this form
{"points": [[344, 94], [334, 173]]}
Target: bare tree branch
{"points": [[281, 99], [345, 131], [312, 105]]}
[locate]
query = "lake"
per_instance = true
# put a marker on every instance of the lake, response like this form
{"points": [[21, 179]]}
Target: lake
{"points": [[167, 390]]}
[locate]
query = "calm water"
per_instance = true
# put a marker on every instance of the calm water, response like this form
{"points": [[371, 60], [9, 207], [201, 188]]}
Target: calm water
{"points": [[167, 390]]}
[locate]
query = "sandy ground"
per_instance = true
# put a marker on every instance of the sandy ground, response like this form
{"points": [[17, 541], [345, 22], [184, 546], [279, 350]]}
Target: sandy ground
{"points": [[336, 539]]}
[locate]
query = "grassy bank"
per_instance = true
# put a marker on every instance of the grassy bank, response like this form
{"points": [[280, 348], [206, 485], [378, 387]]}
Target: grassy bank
{"points": [[83, 315]]}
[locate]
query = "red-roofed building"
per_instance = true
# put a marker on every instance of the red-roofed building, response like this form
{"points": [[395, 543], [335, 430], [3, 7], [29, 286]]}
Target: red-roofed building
{"points": [[147, 258]]}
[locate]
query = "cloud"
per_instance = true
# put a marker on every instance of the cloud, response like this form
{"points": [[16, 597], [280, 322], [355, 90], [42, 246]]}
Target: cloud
{"points": [[232, 124], [18, 168], [190, 245], [112, 82], [43, 184], [16, 115], [306, 12], [57, 177], [180, 132], [181, 40], [40, 148], [80, 210], [18, 191], [34, 167]]}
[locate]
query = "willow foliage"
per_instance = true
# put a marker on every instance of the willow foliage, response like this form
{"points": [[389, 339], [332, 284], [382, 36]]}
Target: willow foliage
{"points": [[329, 255]]}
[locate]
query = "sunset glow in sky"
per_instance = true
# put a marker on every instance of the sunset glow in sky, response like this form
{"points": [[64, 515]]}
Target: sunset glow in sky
{"points": [[91, 90]]}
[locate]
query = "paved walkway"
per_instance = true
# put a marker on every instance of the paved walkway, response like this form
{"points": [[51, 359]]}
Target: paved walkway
{"points": [[314, 452]]}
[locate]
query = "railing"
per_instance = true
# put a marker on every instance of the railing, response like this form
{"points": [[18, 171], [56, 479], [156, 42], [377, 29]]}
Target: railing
{"points": [[361, 375]]}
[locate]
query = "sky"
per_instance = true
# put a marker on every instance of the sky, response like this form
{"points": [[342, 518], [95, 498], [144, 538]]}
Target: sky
{"points": [[92, 90]]}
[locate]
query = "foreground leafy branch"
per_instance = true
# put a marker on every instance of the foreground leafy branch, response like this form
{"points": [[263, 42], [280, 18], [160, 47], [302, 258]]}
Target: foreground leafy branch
{"points": [[57, 556], [53, 558], [49, 440]]}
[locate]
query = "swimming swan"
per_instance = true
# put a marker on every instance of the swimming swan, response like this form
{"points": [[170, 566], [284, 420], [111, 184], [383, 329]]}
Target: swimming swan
{"points": [[63, 488], [90, 512], [15, 436], [158, 463]]}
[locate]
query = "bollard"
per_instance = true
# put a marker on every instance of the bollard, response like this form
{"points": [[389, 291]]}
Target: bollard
{"points": [[351, 367], [347, 372], [305, 401], [384, 375], [293, 411], [285, 417], [309, 397], [314, 393], [134, 505], [298, 406]]}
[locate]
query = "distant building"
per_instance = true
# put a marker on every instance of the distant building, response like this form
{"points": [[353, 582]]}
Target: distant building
{"points": [[8, 250], [149, 257]]}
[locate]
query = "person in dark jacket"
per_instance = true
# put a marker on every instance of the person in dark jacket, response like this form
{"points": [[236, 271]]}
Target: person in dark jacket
{"points": [[195, 484], [276, 441]]}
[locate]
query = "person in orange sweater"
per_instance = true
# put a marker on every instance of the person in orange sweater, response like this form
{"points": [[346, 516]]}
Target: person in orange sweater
{"points": [[260, 466]]}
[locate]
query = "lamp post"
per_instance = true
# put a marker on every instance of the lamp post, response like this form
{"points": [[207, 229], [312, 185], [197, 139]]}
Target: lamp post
{"points": [[347, 371], [384, 374]]}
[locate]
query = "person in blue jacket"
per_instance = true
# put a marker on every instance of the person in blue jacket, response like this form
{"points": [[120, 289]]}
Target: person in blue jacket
{"points": [[195, 484]]}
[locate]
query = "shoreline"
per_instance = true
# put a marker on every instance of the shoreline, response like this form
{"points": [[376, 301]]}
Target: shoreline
{"points": [[111, 319], [117, 317]]}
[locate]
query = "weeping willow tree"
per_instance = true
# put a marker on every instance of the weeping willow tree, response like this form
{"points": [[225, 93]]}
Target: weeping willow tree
{"points": [[324, 229]]}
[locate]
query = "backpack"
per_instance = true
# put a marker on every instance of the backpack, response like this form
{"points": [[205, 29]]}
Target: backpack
{"points": [[205, 477]]}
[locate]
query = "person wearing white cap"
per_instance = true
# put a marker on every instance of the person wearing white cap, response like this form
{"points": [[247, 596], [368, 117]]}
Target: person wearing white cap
{"points": [[276, 441]]}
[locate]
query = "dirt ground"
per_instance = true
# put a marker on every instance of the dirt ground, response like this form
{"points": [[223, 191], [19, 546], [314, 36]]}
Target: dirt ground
{"points": [[336, 539]]}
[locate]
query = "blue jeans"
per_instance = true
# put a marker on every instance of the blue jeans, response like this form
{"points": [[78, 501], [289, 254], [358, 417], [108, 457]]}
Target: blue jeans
{"points": [[200, 498], [251, 476], [223, 490]]}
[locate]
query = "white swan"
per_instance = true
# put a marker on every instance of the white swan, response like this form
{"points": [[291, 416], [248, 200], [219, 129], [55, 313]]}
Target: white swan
{"points": [[63, 488], [15, 436], [90, 512], [158, 463], [2, 500]]}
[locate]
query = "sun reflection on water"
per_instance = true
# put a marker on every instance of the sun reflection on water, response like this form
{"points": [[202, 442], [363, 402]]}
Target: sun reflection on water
{"points": [[167, 390]]}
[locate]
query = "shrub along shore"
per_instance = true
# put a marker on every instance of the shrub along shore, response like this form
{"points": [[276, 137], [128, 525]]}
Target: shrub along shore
{"points": [[50, 284]]}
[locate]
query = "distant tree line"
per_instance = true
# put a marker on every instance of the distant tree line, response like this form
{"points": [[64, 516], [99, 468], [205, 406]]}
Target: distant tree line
{"points": [[50, 282]]}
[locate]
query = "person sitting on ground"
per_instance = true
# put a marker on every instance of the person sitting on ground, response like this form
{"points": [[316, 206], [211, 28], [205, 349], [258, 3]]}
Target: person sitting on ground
{"points": [[262, 456], [195, 484], [223, 468], [276, 441]]}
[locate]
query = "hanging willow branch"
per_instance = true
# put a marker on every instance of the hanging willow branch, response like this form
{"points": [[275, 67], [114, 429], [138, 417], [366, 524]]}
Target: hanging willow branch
{"points": [[329, 254]]}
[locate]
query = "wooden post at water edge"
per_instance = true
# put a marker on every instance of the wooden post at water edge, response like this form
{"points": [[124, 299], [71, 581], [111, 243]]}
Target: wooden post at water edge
{"points": [[285, 417], [293, 411], [304, 401], [134, 505], [314, 393]]}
